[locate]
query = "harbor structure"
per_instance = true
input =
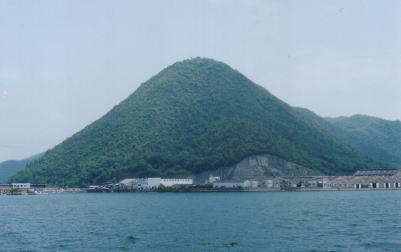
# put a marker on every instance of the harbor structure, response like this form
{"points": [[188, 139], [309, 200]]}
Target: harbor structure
{"points": [[236, 184], [22, 188], [359, 182], [229, 184], [152, 183], [361, 179]]}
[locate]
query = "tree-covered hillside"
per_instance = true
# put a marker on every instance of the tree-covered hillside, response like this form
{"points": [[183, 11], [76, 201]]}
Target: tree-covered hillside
{"points": [[195, 115], [10, 167], [379, 138]]}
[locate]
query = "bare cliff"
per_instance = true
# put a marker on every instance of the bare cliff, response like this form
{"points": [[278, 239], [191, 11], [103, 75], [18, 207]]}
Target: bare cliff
{"points": [[257, 166]]}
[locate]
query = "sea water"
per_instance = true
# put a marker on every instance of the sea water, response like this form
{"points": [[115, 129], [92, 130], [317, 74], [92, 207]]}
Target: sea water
{"points": [[259, 221]]}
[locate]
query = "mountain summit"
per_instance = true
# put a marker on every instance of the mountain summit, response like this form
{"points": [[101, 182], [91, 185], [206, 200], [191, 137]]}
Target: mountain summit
{"points": [[195, 115]]}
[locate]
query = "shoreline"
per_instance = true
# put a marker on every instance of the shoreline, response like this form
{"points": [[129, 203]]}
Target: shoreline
{"points": [[256, 190], [202, 190]]}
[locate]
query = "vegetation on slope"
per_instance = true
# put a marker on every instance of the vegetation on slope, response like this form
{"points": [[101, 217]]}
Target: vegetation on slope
{"points": [[10, 167], [195, 115], [379, 138]]}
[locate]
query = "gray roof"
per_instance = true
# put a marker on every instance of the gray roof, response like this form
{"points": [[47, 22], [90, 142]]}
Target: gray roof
{"points": [[379, 172], [229, 181], [364, 179]]}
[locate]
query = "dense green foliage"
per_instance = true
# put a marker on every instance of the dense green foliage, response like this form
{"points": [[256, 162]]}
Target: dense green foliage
{"points": [[195, 115], [10, 167], [379, 138]]}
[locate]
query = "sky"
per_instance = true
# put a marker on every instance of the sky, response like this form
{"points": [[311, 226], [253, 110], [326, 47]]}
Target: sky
{"points": [[64, 64]]}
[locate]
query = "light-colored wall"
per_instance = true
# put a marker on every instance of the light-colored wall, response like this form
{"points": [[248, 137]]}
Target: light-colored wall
{"points": [[154, 182], [21, 185], [228, 184], [171, 182]]}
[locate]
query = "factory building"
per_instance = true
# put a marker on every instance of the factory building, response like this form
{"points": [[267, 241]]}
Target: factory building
{"points": [[362, 179], [236, 184], [152, 183]]}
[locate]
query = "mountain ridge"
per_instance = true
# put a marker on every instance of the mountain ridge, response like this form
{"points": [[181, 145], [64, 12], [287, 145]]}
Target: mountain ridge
{"points": [[378, 137], [9, 168], [195, 115]]}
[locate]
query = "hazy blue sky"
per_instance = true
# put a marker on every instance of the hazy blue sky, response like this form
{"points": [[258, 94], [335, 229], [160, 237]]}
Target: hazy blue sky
{"points": [[63, 64]]}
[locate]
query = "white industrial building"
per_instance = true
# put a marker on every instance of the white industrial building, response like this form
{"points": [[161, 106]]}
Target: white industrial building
{"points": [[235, 184], [23, 186], [152, 183], [270, 183], [173, 181]]}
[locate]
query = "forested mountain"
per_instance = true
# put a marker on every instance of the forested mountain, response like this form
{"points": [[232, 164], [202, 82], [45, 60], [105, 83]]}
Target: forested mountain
{"points": [[195, 115], [10, 167], [379, 138]]}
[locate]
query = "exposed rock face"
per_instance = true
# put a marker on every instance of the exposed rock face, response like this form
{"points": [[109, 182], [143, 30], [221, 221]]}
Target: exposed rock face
{"points": [[257, 166]]}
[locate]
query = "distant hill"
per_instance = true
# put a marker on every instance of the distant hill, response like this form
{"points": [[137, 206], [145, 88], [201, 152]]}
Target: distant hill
{"points": [[10, 167], [193, 116], [379, 138]]}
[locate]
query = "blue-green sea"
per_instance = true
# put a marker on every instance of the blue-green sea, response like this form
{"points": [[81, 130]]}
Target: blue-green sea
{"points": [[265, 221]]}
